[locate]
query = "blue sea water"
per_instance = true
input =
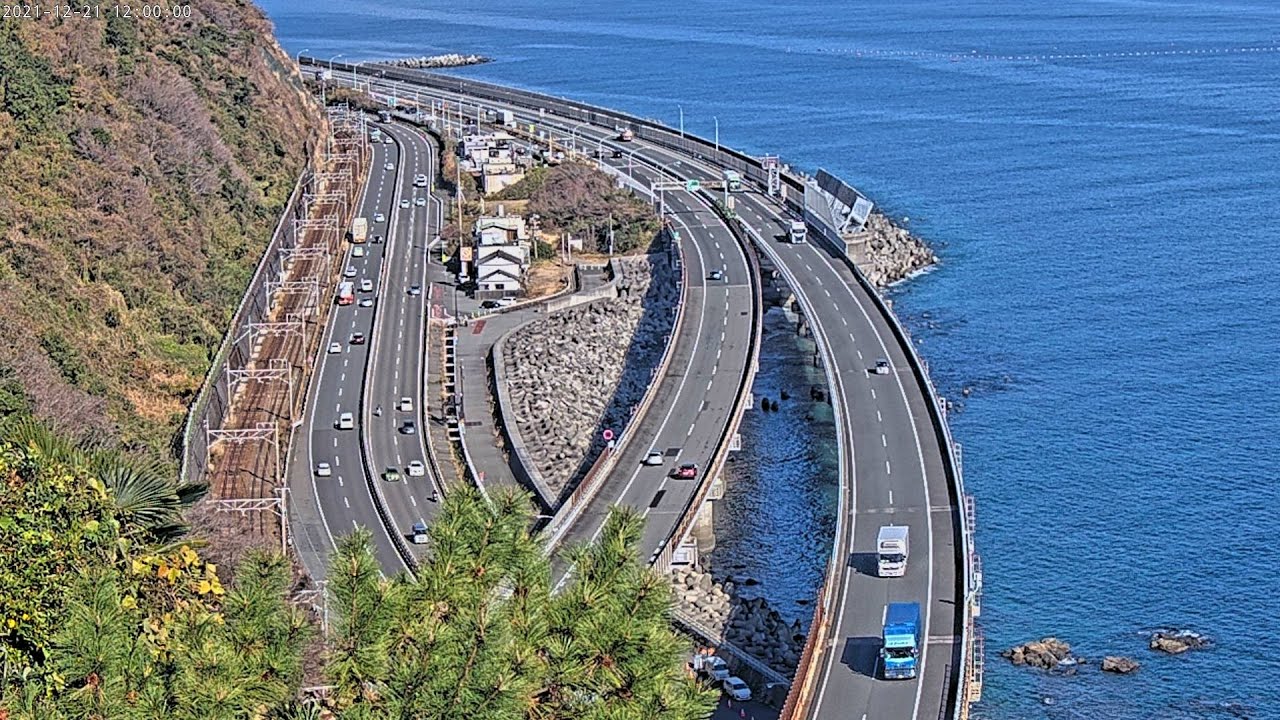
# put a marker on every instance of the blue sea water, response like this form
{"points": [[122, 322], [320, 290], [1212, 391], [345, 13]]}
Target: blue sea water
{"points": [[1104, 204]]}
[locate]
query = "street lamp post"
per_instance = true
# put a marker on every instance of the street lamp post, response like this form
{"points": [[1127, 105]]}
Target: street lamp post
{"points": [[573, 137], [324, 86], [298, 57], [713, 117], [681, 120]]}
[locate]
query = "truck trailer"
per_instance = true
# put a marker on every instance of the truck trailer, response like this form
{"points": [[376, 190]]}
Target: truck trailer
{"points": [[359, 230], [900, 653], [893, 545], [797, 232]]}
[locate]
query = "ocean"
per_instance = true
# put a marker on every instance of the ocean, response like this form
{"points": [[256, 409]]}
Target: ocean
{"points": [[1099, 179]]}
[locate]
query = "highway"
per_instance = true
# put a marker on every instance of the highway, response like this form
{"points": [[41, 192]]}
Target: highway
{"points": [[891, 471]]}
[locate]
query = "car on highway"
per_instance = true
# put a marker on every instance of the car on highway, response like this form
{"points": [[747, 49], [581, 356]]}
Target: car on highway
{"points": [[687, 471], [366, 302], [419, 180], [617, 153], [420, 201], [350, 272], [357, 251], [715, 275], [379, 217], [335, 348], [735, 688], [415, 289], [653, 458], [419, 534], [386, 140], [882, 367], [346, 421], [391, 475], [404, 203], [405, 404], [357, 338], [389, 166], [416, 468], [375, 239], [366, 285], [408, 428], [323, 470]]}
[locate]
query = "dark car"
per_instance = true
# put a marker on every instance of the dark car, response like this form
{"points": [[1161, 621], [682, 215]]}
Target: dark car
{"points": [[375, 239], [357, 338], [489, 304], [687, 471], [408, 428], [415, 289], [617, 153]]}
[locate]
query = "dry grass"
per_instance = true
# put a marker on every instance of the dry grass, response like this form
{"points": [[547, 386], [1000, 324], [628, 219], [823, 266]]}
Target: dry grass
{"points": [[547, 277]]}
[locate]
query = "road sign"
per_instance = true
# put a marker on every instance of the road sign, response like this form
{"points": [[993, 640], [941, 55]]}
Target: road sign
{"points": [[608, 434], [692, 185]]}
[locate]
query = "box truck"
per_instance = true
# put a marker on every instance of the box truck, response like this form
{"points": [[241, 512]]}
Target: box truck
{"points": [[893, 545], [900, 652], [359, 230]]}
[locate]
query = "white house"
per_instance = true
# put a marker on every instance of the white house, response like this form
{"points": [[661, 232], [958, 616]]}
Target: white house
{"points": [[500, 271]]}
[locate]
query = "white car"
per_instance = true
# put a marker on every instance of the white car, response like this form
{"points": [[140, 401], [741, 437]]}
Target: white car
{"points": [[415, 289], [653, 458], [335, 348], [379, 218], [420, 201], [420, 180], [406, 404], [735, 688], [386, 140], [715, 668], [416, 468], [357, 251], [366, 302], [366, 285], [404, 203], [350, 272], [346, 421], [323, 470], [715, 275], [506, 302], [882, 367], [389, 167]]}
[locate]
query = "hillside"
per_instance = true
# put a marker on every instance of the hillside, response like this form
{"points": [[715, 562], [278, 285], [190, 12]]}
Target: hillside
{"points": [[143, 164]]}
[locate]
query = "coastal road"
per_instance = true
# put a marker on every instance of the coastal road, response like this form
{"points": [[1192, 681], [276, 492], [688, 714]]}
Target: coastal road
{"points": [[397, 345], [891, 471], [327, 507]]}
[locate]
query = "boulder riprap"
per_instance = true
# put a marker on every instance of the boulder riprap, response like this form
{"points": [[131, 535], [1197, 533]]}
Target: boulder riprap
{"points": [[1046, 653], [891, 253], [1176, 642], [1117, 664], [748, 623], [582, 369]]}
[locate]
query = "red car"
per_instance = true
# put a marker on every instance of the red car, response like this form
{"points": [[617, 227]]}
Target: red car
{"points": [[687, 471]]}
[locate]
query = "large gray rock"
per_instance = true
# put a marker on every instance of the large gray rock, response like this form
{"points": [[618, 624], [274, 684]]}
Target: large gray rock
{"points": [[1046, 653]]}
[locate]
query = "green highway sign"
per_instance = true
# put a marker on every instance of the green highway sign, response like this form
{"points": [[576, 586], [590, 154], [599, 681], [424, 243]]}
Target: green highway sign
{"points": [[692, 185]]}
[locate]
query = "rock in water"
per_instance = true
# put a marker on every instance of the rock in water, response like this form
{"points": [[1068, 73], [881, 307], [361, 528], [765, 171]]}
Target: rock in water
{"points": [[1117, 664], [1045, 653], [1176, 642]]}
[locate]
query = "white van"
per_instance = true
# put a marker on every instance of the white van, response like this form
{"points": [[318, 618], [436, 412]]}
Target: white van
{"points": [[346, 421]]}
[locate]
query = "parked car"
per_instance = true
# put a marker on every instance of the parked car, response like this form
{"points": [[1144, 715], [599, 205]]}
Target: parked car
{"points": [[653, 458], [366, 285], [489, 304], [416, 468], [408, 428], [506, 302], [715, 275], [714, 668], [687, 471], [882, 367], [391, 475], [735, 688], [357, 338], [335, 348], [323, 470], [350, 272], [405, 404]]}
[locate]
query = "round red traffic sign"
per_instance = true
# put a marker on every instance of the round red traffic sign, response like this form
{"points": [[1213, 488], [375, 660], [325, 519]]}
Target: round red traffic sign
{"points": [[608, 434]]}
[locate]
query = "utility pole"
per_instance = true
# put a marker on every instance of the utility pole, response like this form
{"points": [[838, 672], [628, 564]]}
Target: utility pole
{"points": [[611, 234]]}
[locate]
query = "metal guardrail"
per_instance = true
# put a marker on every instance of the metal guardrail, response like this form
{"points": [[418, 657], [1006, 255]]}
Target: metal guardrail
{"points": [[751, 169]]}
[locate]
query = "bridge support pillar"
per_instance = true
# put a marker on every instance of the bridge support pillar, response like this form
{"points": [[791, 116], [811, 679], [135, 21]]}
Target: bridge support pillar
{"points": [[703, 531]]}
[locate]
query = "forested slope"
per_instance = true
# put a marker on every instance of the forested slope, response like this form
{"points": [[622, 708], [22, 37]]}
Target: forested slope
{"points": [[143, 165]]}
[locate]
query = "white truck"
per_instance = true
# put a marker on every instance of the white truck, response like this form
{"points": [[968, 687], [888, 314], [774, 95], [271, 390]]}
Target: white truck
{"points": [[508, 118], [359, 230], [797, 232], [893, 545]]}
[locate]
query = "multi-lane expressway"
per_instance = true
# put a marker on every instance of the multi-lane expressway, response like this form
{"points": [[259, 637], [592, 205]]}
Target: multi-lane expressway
{"points": [[892, 465], [368, 379]]}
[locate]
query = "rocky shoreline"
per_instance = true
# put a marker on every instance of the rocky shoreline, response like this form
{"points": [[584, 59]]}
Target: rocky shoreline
{"points": [[749, 623], [891, 252], [1054, 655], [439, 61]]}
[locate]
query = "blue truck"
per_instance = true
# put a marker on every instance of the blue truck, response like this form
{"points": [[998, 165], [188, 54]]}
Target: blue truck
{"points": [[900, 654]]}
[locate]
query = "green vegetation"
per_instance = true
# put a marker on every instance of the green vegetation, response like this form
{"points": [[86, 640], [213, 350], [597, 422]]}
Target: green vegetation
{"points": [[579, 199], [143, 166], [103, 616]]}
